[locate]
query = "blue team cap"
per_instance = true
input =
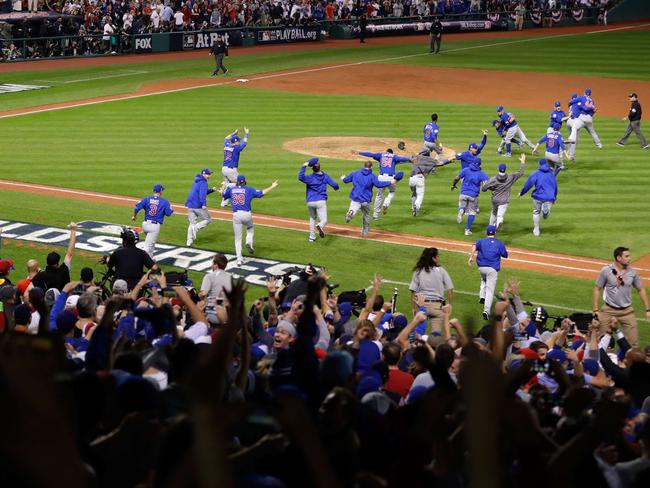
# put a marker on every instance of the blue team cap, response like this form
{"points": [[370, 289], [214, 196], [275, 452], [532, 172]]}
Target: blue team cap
{"points": [[558, 103], [241, 178], [157, 188], [495, 122], [206, 171], [235, 139], [502, 168], [587, 91], [555, 126], [542, 162], [473, 145], [574, 95], [312, 162], [491, 230], [500, 108]]}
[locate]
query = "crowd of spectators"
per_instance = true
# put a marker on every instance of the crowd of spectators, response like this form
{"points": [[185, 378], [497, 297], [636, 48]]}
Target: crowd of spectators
{"points": [[145, 380]]}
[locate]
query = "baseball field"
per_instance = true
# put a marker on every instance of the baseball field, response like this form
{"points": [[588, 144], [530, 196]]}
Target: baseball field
{"points": [[106, 129]]}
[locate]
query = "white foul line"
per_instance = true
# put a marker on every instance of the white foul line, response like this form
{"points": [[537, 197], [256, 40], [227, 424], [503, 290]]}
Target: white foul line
{"points": [[291, 73], [123, 73]]}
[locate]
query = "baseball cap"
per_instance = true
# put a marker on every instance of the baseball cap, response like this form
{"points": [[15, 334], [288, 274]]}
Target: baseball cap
{"points": [[235, 139], [574, 95], [206, 171], [71, 301], [500, 108], [120, 286], [312, 162], [241, 178], [51, 295], [495, 122], [587, 91], [6, 265], [632, 95], [558, 103], [502, 168], [157, 188], [473, 145], [542, 162], [22, 286], [491, 230], [555, 126]]}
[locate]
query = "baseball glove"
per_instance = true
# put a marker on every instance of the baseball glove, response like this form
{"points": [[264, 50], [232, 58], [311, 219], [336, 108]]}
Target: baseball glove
{"points": [[401, 146]]}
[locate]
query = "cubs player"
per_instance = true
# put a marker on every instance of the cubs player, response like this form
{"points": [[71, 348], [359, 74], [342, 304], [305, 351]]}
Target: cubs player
{"points": [[489, 252], [473, 178], [430, 134], [197, 206], [363, 181], [558, 116], [232, 148], [423, 166], [470, 156], [543, 182], [585, 120], [501, 186], [316, 184], [501, 129], [242, 196], [554, 146], [156, 208], [512, 130], [574, 113], [387, 162]]}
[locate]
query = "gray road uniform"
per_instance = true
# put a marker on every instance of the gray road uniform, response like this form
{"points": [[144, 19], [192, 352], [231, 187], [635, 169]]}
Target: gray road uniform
{"points": [[422, 167], [501, 186]]}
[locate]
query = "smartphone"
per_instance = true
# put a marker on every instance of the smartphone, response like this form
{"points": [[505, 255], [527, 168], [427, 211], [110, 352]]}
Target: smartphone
{"points": [[540, 366]]}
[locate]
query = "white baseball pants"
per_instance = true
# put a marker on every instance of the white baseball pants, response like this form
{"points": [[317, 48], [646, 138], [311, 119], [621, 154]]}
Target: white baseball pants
{"points": [[498, 214], [230, 179], [199, 218], [317, 210], [365, 210], [416, 183], [516, 131], [152, 229], [380, 201], [488, 285], [239, 220]]}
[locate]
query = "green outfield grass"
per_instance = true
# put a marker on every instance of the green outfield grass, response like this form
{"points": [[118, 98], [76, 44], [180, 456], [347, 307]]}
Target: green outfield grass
{"points": [[124, 147]]}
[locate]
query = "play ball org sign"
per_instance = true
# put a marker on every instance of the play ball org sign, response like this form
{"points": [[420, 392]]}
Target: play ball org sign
{"points": [[104, 238], [13, 88]]}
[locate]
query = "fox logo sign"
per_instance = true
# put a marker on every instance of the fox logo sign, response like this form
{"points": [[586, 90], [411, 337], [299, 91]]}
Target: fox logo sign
{"points": [[143, 44]]}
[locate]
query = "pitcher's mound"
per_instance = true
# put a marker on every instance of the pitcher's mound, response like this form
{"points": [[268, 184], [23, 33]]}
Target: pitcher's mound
{"points": [[345, 147]]}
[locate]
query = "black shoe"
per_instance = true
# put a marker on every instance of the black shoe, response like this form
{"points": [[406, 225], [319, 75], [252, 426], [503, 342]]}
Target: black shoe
{"points": [[225, 72], [481, 301], [320, 231], [250, 249], [486, 316]]}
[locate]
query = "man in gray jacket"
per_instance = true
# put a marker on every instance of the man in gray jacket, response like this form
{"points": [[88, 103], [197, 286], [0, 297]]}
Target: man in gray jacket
{"points": [[501, 186], [423, 166]]}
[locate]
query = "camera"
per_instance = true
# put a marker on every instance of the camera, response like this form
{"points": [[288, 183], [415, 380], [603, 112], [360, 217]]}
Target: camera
{"points": [[356, 298]]}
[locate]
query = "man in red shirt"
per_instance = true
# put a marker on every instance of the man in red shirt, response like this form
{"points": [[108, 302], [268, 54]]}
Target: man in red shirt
{"points": [[398, 382]]}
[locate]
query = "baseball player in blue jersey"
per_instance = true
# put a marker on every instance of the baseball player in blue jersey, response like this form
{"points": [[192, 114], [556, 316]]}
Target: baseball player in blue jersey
{"points": [[558, 116], [430, 135], [574, 113], [470, 156], [512, 130], [501, 129], [242, 197], [232, 148], [472, 177], [387, 162], [316, 190], [587, 109], [156, 208], [543, 182], [489, 252], [554, 146], [363, 181], [197, 206]]}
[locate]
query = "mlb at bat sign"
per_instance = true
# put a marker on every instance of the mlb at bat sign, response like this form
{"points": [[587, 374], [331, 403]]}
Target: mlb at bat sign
{"points": [[287, 34], [103, 238], [201, 40]]}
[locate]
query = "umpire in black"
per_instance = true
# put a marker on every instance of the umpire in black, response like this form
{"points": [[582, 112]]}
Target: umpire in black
{"points": [[363, 24], [219, 49], [436, 35], [634, 122]]}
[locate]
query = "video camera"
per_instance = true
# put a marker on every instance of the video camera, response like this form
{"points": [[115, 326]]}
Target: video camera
{"points": [[285, 278], [356, 298]]}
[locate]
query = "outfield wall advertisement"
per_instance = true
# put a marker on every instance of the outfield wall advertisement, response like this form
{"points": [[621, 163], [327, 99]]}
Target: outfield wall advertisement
{"points": [[405, 28]]}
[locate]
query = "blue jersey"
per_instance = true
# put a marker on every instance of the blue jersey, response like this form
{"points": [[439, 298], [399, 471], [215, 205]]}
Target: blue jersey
{"points": [[155, 209], [586, 105], [197, 197], [544, 183], [241, 197], [554, 142], [505, 120], [363, 182], [316, 184], [490, 251], [574, 108], [231, 153], [430, 132], [500, 129], [387, 161], [556, 117], [472, 177]]}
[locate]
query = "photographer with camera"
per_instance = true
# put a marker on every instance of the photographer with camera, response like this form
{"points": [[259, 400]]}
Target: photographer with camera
{"points": [[129, 262]]}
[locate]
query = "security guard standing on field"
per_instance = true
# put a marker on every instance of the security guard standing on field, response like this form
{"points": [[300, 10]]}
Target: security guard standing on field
{"points": [[436, 35]]}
